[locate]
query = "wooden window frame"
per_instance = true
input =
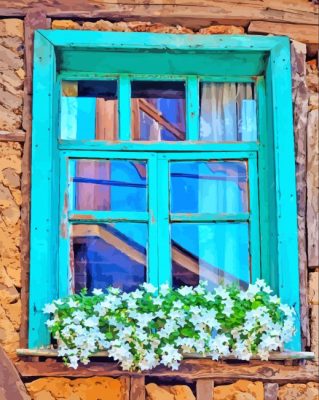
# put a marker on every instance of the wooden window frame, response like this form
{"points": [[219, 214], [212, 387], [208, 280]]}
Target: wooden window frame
{"points": [[275, 157]]}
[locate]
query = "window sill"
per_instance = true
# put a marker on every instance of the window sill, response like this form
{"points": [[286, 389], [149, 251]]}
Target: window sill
{"points": [[274, 356], [282, 367]]}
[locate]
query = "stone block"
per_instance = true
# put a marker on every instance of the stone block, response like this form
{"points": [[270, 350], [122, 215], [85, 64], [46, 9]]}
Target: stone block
{"points": [[222, 29], [309, 391], [78, 389], [182, 392], [240, 390], [12, 27], [156, 392], [65, 24], [313, 284]]}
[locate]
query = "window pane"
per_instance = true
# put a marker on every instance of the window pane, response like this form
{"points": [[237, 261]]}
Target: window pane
{"points": [[228, 112], [109, 255], [89, 110], [158, 110], [114, 185], [208, 187], [215, 252]]}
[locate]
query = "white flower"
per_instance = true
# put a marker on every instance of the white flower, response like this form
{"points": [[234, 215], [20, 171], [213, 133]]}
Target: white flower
{"points": [[267, 289], [288, 311], [78, 316], [72, 303], [220, 291], [137, 345], [73, 361], [158, 301], [91, 322], [260, 283], [185, 290], [164, 289], [178, 304], [149, 288], [137, 294], [228, 306], [49, 323], [97, 292], [274, 299], [49, 308]]}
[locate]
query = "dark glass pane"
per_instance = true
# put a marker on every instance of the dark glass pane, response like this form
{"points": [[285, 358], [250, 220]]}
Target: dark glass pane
{"points": [[158, 110], [208, 187], [89, 110], [109, 255], [115, 185], [215, 252], [228, 112]]}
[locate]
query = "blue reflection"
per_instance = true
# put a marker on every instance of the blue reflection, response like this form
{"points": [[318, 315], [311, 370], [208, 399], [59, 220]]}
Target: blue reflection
{"points": [[208, 187], [115, 185], [110, 257], [214, 252]]}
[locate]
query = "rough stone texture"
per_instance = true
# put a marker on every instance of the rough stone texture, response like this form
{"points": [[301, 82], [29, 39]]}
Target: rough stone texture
{"points": [[10, 268], [77, 389], [314, 310], [139, 26], [11, 94], [11, 75], [240, 390], [222, 29], [300, 96], [176, 392], [299, 392], [313, 165], [156, 392]]}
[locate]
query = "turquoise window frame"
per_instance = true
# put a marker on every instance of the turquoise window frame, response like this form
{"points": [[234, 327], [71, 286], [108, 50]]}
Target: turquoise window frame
{"points": [[263, 60]]}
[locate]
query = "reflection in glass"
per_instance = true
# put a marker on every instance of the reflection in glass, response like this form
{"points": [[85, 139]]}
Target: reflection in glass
{"points": [[109, 255], [228, 112], [214, 252], [115, 185], [158, 110], [89, 110], [208, 186]]}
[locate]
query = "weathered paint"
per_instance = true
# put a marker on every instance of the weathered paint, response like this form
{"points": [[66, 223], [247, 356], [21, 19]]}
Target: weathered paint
{"points": [[249, 58], [43, 260], [287, 246]]}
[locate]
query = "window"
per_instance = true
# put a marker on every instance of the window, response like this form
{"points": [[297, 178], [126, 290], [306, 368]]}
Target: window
{"points": [[163, 159]]}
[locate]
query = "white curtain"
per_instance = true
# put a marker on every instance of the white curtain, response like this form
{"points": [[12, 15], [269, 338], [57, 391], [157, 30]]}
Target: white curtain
{"points": [[228, 112]]}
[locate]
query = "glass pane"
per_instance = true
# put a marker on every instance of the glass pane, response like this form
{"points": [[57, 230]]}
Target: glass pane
{"points": [[228, 112], [114, 185], [215, 252], [208, 187], [158, 110], [109, 255], [89, 110]]}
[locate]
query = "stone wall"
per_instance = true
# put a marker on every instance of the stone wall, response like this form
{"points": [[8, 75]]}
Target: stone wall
{"points": [[11, 111], [313, 201], [240, 390], [11, 75], [77, 389], [11, 103]]}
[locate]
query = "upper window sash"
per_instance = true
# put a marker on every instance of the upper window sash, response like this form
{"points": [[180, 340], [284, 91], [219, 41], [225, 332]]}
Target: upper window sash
{"points": [[215, 111]]}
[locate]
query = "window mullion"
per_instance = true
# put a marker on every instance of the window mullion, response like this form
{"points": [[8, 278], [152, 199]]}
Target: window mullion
{"points": [[124, 108], [163, 228], [192, 108], [64, 278], [152, 251], [254, 218]]}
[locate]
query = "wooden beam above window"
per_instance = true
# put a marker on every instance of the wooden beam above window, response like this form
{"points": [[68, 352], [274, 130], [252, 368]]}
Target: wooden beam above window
{"points": [[174, 11]]}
